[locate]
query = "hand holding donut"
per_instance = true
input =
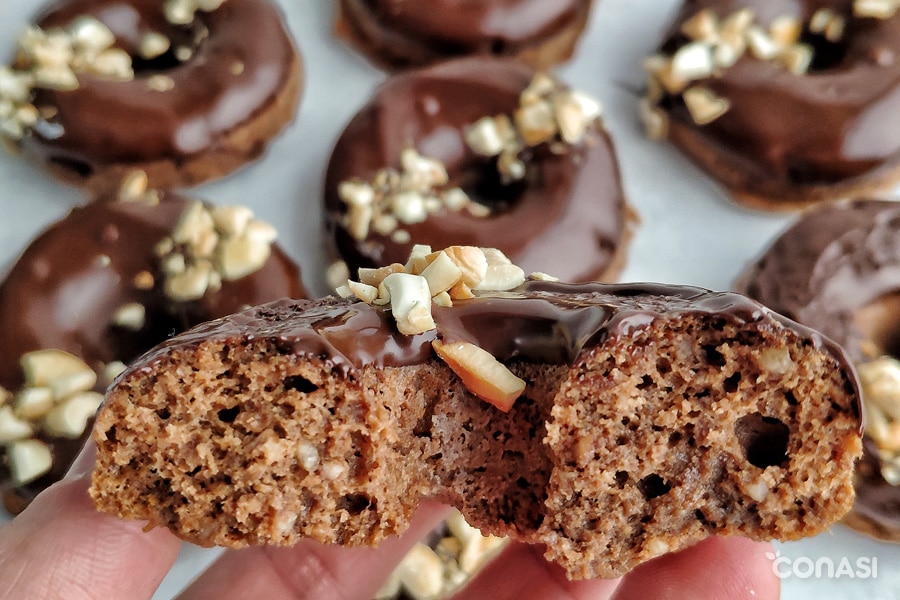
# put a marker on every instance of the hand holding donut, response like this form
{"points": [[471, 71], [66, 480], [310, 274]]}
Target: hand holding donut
{"points": [[61, 547]]}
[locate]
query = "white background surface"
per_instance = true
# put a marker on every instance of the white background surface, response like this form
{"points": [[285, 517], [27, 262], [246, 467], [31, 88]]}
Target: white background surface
{"points": [[689, 232]]}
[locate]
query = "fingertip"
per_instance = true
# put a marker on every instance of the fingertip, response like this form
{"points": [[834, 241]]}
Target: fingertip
{"points": [[715, 569]]}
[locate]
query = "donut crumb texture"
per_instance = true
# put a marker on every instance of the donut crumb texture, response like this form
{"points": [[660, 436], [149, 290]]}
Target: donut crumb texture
{"points": [[685, 428]]}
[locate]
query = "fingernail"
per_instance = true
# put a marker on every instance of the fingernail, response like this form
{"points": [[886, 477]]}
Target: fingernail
{"points": [[83, 465]]}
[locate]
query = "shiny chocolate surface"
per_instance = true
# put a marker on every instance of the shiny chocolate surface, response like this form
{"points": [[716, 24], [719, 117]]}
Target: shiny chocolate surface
{"points": [[64, 289], [784, 130], [565, 218], [821, 272], [241, 55], [418, 32]]}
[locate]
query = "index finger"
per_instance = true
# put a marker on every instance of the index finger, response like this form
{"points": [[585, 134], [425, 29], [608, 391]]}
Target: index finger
{"points": [[62, 547]]}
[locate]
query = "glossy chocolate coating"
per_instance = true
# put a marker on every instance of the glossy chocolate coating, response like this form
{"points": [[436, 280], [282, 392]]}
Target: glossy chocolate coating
{"points": [[63, 290], [106, 122], [830, 264], [538, 322], [422, 32], [785, 133], [820, 272], [566, 218]]}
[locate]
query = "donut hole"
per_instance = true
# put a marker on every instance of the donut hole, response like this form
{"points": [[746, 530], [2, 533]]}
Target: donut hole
{"points": [[763, 439], [879, 324], [484, 184], [184, 42], [826, 54]]}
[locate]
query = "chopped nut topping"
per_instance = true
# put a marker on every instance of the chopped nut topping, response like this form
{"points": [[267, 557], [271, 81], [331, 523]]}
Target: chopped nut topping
{"points": [[547, 112], [153, 45], [57, 399], [393, 197], [878, 9], [160, 83], [704, 105], [880, 381], [440, 278], [461, 552], [211, 245], [182, 12], [130, 316], [28, 460], [52, 59], [715, 45]]}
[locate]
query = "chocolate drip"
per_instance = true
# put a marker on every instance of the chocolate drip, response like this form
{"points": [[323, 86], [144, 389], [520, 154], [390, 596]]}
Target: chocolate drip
{"points": [[566, 218]]}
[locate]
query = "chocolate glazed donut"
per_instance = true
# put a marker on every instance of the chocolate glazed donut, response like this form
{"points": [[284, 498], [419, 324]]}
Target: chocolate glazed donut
{"points": [[837, 270], [566, 217], [230, 81], [63, 293], [399, 34], [807, 123]]}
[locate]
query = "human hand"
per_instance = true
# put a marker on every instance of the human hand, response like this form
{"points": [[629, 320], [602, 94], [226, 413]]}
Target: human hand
{"points": [[61, 547]]}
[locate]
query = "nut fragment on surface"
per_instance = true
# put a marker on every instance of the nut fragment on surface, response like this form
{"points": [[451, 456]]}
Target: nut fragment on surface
{"points": [[878, 9], [212, 244], [453, 274], [182, 12], [53, 59], [394, 197], [547, 112], [28, 460], [880, 381], [714, 45]]}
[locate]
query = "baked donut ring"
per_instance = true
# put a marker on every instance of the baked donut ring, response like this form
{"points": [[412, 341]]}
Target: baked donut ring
{"points": [[838, 270], [704, 413], [547, 204], [398, 34], [785, 102], [103, 286], [112, 86]]}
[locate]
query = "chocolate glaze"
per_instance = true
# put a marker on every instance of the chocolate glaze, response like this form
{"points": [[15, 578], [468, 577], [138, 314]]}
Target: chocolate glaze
{"points": [[62, 293], [785, 131], [820, 272], [422, 32], [830, 264], [537, 322], [566, 218], [107, 122]]}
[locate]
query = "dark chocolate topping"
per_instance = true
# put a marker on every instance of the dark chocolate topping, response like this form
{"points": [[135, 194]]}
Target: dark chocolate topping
{"points": [[62, 292], [830, 264], [112, 122], [565, 218], [537, 322], [821, 127], [454, 28]]}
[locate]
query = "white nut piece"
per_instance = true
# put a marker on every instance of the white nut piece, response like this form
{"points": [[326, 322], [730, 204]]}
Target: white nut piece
{"points": [[366, 293], [131, 316], [442, 274], [472, 261], [410, 302], [241, 256], [41, 367], [69, 419], [13, 428], [422, 573], [232, 219], [501, 278], [28, 460], [33, 402]]}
